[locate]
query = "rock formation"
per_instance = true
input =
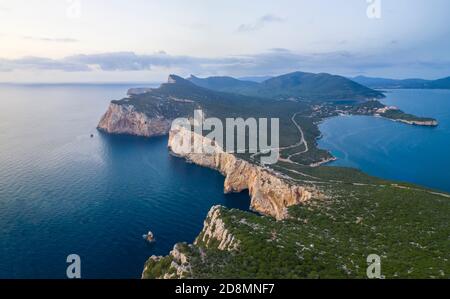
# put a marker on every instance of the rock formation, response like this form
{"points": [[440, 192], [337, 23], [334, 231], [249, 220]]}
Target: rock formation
{"points": [[179, 267], [124, 119], [270, 194], [214, 229], [215, 233]]}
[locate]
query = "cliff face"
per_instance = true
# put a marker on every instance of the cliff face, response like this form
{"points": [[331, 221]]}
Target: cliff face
{"points": [[270, 194], [177, 265], [124, 119], [214, 230]]}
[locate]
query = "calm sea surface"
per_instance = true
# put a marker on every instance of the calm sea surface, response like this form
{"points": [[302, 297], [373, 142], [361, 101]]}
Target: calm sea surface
{"points": [[393, 150], [62, 192]]}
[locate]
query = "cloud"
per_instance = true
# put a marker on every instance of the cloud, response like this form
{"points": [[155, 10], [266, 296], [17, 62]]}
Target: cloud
{"points": [[54, 40], [40, 63], [130, 61], [279, 50], [272, 62], [116, 61], [260, 23]]}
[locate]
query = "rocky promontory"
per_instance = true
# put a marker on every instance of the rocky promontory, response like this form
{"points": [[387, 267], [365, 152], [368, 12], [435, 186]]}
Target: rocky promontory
{"points": [[177, 265], [270, 193], [125, 119]]}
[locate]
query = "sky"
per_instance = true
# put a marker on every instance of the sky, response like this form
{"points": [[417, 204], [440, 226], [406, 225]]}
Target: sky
{"points": [[146, 40]]}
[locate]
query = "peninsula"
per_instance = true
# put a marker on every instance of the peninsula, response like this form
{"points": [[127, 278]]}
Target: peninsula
{"points": [[315, 221]]}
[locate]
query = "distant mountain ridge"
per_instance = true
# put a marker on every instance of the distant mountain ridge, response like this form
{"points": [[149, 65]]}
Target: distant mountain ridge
{"points": [[373, 82], [297, 85], [224, 84], [257, 79]]}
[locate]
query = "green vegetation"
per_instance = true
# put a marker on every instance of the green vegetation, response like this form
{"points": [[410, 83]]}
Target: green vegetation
{"points": [[298, 85], [225, 84], [400, 115], [157, 268], [332, 238]]}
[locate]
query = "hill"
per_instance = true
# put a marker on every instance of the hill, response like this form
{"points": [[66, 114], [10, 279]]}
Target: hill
{"points": [[226, 84], [298, 85]]}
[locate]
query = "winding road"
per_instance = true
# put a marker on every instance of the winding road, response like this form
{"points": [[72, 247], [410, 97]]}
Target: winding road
{"points": [[301, 142]]}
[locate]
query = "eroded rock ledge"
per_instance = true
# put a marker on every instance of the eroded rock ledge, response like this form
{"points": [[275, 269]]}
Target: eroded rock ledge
{"points": [[270, 194]]}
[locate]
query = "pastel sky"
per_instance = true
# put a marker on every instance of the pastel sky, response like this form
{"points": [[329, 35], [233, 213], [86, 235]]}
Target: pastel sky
{"points": [[145, 40]]}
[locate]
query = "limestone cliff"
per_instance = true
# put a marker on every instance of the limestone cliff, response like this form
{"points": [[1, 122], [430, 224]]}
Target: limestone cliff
{"points": [[270, 193], [177, 265], [215, 230], [124, 119]]}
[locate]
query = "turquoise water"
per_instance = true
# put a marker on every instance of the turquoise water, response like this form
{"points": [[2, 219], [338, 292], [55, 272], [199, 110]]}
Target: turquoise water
{"points": [[393, 150], [62, 192]]}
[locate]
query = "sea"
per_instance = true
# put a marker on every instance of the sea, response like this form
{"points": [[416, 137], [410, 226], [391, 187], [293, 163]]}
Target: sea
{"points": [[63, 192]]}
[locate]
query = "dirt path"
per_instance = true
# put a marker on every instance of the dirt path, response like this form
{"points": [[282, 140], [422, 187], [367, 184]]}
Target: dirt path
{"points": [[301, 142]]}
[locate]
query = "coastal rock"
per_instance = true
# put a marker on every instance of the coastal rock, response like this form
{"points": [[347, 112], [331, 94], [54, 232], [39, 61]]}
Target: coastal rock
{"points": [[214, 234], [215, 230], [179, 267], [124, 119], [270, 194]]}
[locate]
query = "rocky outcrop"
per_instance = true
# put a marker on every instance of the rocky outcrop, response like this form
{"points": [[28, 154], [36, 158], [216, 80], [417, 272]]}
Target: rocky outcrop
{"points": [[179, 267], [124, 119], [270, 193], [215, 231]]}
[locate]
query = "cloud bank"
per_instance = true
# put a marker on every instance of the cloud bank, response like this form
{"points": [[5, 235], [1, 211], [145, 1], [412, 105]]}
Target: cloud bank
{"points": [[274, 61]]}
